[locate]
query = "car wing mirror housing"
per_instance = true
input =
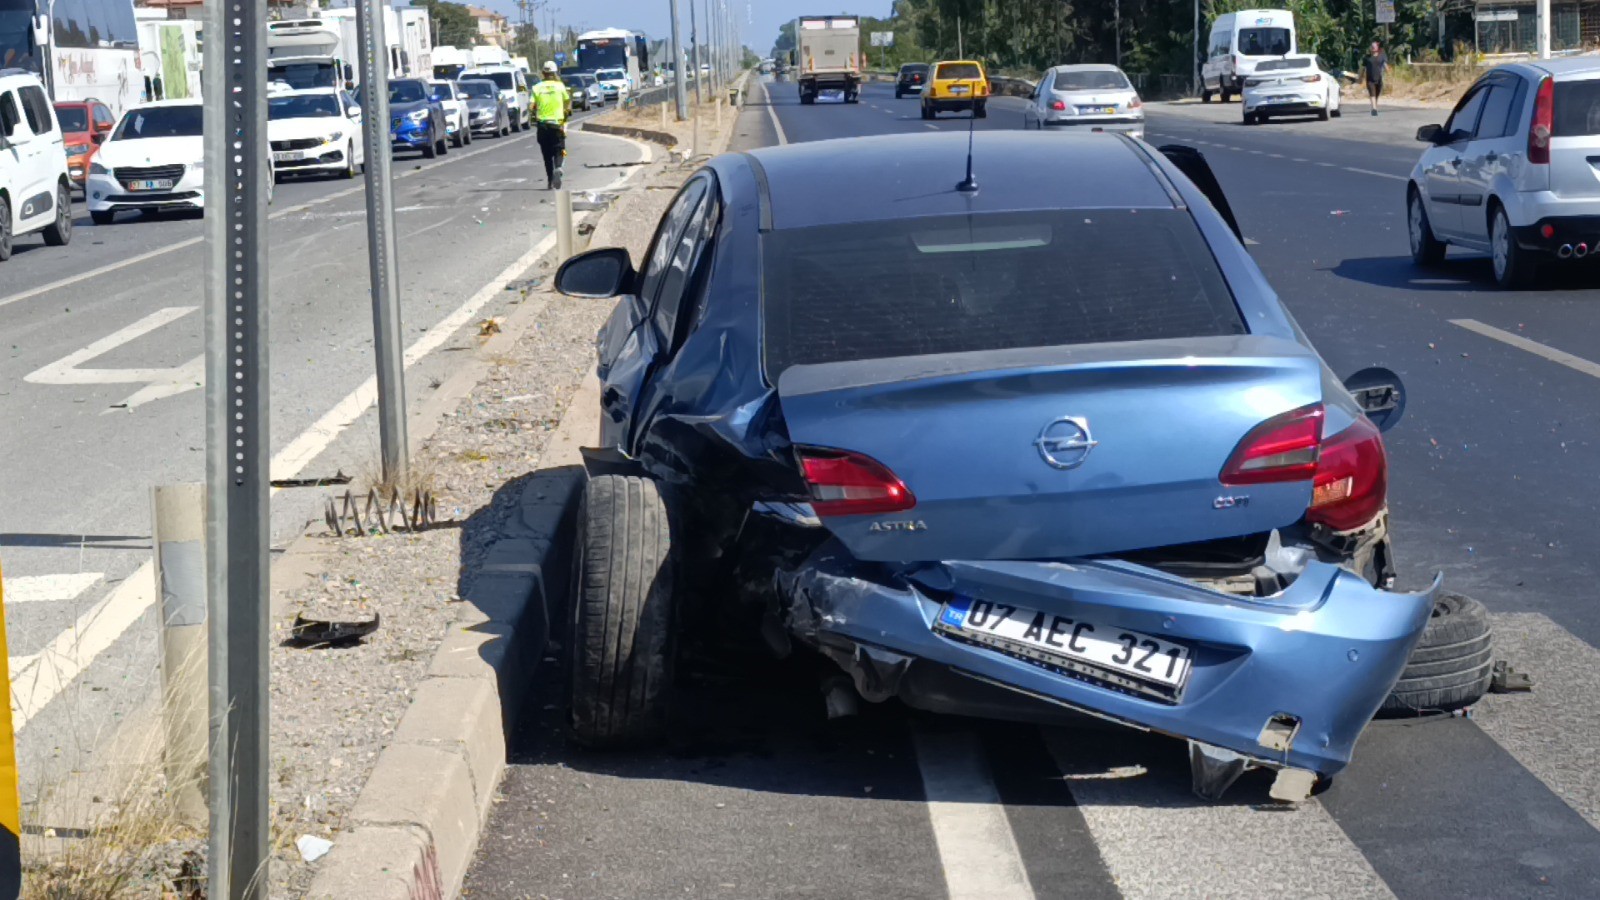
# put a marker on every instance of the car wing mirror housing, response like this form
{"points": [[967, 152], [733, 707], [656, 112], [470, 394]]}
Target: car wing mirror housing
{"points": [[1429, 134], [598, 274], [1380, 394], [98, 137]]}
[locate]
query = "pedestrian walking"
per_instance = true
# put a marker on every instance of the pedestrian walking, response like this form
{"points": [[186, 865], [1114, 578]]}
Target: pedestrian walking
{"points": [[1374, 65], [552, 106]]}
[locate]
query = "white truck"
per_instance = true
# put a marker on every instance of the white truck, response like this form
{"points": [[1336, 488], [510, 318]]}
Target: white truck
{"points": [[828, 57], [307, 53]]}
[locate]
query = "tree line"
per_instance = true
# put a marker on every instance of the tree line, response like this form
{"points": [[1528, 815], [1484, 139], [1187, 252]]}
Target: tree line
{"points": [[1154, 36]]}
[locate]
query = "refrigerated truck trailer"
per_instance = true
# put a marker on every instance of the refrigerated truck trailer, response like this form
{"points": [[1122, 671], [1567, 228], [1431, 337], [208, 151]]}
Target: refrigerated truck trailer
{"points": [[828, 56]]}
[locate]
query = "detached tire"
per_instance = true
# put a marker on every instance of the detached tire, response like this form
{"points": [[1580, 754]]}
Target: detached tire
{"points": [[623, 622], [1451, 666]]}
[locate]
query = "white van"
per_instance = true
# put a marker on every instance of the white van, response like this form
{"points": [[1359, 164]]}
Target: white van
{"points": [[1239, 40], [35, 191]]}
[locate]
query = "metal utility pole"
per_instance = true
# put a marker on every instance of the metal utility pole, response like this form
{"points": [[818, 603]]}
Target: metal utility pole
{"points": [[694, 47], [1195, 51], [237, 447], [679, 83], [961, 47], [1117, 19], [1544, 29], [381, 261]]}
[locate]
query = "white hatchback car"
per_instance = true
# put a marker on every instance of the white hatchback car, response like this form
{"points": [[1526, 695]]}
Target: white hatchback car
{"points": [[1513, 171], [154, 161], [35, 191], [1293, 85], [316, 130], [453, 101]]}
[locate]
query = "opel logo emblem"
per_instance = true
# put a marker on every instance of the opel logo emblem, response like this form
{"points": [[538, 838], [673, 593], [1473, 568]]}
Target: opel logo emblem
{"points": [[1066, 442]]}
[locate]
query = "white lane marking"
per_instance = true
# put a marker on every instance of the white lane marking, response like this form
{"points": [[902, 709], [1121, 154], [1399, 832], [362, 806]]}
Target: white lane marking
{"points": [[1561, 357], [773, 114], [931, 125], [190, 242], [1207, 849], [976, 847], [48, 588], [1299, 159], [1376, 174], [1276, 155], [45, 676], [158, 383], [1566, 690], [1326, 165]]}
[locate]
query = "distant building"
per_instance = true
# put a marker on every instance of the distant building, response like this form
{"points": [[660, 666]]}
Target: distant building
{"points": [[491, 26]]}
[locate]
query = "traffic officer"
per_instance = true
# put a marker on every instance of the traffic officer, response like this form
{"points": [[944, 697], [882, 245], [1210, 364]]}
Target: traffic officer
{"points": [[552, 106]]}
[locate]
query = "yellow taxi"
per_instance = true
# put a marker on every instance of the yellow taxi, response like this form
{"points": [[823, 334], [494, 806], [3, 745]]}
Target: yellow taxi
{"points": [[956, 84]]}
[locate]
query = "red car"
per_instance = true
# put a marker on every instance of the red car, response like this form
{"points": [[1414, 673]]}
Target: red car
{"points": [[84, 125]]}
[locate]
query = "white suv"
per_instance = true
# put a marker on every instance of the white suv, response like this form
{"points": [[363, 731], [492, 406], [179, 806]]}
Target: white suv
{"points": [[35, 191], [1513, 171]]}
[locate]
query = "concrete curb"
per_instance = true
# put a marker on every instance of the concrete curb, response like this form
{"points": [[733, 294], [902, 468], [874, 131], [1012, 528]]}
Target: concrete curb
{"points": [[414, 829], [643, 134]]}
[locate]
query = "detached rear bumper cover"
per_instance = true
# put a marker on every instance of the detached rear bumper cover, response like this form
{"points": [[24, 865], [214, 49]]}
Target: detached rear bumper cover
{"points": [[1326, 651]]}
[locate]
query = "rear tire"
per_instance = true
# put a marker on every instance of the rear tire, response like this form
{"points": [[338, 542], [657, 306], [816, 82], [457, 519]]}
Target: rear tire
{"points": [[1452, 664], [59, 232], [5, 229], [980, 111], [1513, 266], [623, 619], [1205, 96], [1426, 250]]}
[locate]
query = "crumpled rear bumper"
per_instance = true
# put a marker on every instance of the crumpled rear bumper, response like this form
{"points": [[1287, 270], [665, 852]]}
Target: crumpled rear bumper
{"points": [[1322, 654]]}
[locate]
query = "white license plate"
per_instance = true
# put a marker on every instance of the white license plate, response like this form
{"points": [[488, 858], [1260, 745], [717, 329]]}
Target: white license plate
{"points": [[1096, 110], [959, 89], [1086, 647], [289, 155], [157, 184]]}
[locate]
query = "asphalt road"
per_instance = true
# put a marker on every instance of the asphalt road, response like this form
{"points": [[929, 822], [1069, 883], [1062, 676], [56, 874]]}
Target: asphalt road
{"points": [[759, 795], [100, 400]]}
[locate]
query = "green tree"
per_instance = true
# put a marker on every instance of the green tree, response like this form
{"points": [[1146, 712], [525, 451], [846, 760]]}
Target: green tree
{"points": [[453, 25]]}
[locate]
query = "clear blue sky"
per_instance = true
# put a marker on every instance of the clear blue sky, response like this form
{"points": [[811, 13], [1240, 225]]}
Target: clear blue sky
{"points": [[758, 19]]}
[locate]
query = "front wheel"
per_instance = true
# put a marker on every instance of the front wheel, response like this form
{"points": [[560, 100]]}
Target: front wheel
{"points": [[5, 229], [59, 232], [1426, 250], [349, 161], [1513, 266], [623, 631], [1251, 118], [456, 139], [430, 150]]}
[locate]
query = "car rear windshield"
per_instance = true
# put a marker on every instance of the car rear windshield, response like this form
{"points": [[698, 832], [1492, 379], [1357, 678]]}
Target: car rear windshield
{"points": [[1092, 81], [1264, 41], [159, 122], [993, 281], [959, 70], [442, 92], [1577, 108], [73, 118], [914, 69], [502, 80], [304, 107], [484, 90]]}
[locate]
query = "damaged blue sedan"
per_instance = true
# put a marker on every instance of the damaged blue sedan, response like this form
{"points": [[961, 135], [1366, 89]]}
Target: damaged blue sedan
{"points": [[1011, 428]]}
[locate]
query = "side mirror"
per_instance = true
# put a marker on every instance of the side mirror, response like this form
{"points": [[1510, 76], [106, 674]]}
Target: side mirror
{"points": [[349, 73], [596, 273], [1380, 395], [353, 112], [99, 137], [1429, 134]]}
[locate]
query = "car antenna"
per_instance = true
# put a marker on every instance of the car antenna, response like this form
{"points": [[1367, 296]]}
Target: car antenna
{"points": [[969, 185]]}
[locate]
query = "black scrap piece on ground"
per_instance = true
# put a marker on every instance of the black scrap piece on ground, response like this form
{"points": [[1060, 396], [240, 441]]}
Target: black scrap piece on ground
{"points": [[316, 632]]}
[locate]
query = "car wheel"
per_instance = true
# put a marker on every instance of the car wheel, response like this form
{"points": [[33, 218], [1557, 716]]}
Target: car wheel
{"points": [[1513, 266], [1322, 114], [5, 229], [466, 136], [350, 160], [623, 623], [1426, 250], [59, 232], [99, 216], [455, 139], [1205, 96], [898, 95], [1250, 118], [980, 111], [430, 150], [927, 112], [1452, 664]]}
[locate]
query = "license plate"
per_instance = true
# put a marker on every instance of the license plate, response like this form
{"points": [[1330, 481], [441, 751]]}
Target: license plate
{"points": [[156, 184], [289, 155], [959, 89], [1089, 648], [1096, 110]]}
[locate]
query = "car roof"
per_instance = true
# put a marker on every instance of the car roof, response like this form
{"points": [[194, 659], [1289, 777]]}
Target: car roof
{"points": [[958, 62], [1572, 65], [311, 91], [868, 179], [1087, 67]]}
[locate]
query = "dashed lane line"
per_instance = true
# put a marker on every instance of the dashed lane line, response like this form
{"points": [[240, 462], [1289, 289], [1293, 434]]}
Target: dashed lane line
{"points": [[1207, 849], [773, 114], [1561, 357], [977, 850], [1388, 175]]}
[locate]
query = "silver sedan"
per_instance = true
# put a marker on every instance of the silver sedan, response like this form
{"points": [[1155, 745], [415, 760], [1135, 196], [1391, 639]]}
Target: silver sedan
{"points": [[1088, 97]]}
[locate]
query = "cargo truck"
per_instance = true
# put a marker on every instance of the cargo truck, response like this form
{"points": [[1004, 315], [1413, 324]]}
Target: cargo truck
{"points": [[827, 57]]}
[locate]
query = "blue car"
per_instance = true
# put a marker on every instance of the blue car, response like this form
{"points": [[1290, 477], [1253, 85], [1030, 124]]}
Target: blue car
{"points": [[416, 120], [993, 444]]}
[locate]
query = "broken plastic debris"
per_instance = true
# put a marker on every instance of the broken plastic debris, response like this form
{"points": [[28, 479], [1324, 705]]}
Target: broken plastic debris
{"points": [[312, 848], [318, 632]]}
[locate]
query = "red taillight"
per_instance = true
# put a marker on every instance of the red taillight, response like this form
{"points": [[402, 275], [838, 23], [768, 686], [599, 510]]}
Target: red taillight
{"points": [[1544, 116], [1283, 448], [1352, 482], [1057, 104], [850, 484], [1136, 102]]}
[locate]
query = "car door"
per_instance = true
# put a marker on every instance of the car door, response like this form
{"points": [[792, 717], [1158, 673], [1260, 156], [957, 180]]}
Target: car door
{"points": [[1497, 144], [27, 161], [1038, 111], [49, 153], [352, 114], [1441, 164], [629, 342]]}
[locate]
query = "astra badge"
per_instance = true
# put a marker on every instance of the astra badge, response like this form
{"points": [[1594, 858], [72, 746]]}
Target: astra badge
{"points": [[900, 525], [1066, 442]]}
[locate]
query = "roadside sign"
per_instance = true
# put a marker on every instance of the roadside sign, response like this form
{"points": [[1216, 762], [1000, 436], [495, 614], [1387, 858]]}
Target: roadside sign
{"points": [[10, 806], [1495, 15], [883, 39], [1385, 12], [561, 57]]}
